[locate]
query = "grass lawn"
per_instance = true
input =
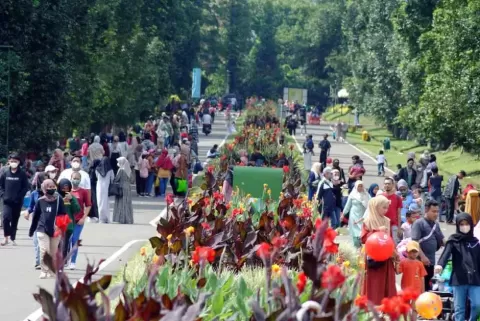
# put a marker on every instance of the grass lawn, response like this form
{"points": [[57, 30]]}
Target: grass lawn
{"points": [[448, 162]]}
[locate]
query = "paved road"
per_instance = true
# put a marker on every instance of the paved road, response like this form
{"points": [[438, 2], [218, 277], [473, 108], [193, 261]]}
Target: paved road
{"points": [[18, 279], [344, 152]]}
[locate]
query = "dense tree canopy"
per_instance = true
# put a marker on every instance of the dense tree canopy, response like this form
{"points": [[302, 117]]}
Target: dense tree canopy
{"points": [[82, 64]]}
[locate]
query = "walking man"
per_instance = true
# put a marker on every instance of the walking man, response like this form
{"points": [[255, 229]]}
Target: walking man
{"points": [[451, 195], [13, 187], [324, 146]]}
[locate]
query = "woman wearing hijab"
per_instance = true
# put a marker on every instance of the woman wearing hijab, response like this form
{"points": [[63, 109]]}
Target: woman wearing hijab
{"points": [[116, 152], [105, 176], [47, 209], [464, 250], [379, 281], [165, 166], [95, 150], [71, 208], [313, 179], [57, 160], [336, 165], [373, 190], [123, 209], [356, 206]]}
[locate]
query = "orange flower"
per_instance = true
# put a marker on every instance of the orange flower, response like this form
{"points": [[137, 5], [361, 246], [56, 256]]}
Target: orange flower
{"points": [[306, 212], [298, 202], [264, 250], [143, 251], [333, 278], [301, 282], [203, 254], [236, 212], [362, 302]]}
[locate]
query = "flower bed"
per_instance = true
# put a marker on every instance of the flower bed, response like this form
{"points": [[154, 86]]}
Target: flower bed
{"points": [[257, 259]]}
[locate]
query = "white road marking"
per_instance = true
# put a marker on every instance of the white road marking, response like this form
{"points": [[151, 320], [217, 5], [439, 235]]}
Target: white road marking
{"points": [[38, 313]]}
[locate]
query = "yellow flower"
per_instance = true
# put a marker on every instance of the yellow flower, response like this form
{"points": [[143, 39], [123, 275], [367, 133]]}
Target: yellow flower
{"points": [[169, 237], [143, 251], [220, 188], [269, 192], [346, 264], [155, 259], [248, 196], [189, 230], [265, 186], [276, 270]]}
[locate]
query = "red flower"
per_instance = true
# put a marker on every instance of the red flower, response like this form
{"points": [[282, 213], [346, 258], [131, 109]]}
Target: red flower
{"points": [[210, 169], [394, 307], [301, 282], [203, 254], [298, 202], [286, 224], [223, 157], [264, 250], [333, 278], [236, 212], [307, 212], [230, 147], [318, 223], [362, 302], [206, 226], [169, 199], [408, 295], [286, 169], [217, 196], [329, 241], [189, 201], [279, 242], [228, 206], [206, 201], [61, 222]]}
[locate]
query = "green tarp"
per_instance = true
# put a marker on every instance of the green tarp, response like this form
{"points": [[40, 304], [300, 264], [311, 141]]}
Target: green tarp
{"points": [[250, 180]]}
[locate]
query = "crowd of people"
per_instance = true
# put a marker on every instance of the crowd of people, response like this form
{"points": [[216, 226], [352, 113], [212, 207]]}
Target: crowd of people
{"points": [[78, 178], [410, 207]]}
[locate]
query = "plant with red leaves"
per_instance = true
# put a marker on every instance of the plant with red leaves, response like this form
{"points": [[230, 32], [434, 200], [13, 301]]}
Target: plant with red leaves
{"points": [[362, 302], [329, 241], [61, 224], [169, 198], [333, 277], [409, 295]]}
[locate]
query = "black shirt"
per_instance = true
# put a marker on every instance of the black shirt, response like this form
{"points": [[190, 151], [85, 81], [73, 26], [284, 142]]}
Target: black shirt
{"points": [[13, 186], [45, 214]]}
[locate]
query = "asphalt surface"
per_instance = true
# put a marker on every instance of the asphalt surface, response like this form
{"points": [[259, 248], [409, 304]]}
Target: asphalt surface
{"points": [[19, 279], [344, 152]]}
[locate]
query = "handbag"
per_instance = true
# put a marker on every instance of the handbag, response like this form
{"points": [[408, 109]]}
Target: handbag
{"points": [[164, 173], [114, 189], [181, 185]]}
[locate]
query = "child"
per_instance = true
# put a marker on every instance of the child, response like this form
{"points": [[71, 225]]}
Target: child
{"points": [[407, 226], [417, 200], [381, 163], [412, 270]]}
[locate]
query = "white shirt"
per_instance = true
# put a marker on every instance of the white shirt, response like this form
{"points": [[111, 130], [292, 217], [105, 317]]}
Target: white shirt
{"points": [[207, 119], [381, 159], [84, 179]]}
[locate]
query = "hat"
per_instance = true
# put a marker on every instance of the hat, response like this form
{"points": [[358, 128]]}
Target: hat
{"points": [[413, 246], [50, 168], [14, 156]]}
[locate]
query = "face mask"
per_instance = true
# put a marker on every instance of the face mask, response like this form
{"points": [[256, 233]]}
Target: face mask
{"points": [[464, 229], [51, 191], [75, 182], [52, 175], [75, 165], [13, 165]]}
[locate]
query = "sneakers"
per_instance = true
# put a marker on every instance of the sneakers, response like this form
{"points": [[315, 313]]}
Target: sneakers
{"points": [[72, 266], [43, 275], [14, 243], [37, 266], [5, 242], [92, 220]]}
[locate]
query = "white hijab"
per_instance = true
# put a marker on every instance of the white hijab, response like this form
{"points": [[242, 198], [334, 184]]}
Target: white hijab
{"points": [[124, 165], [362, 197]]}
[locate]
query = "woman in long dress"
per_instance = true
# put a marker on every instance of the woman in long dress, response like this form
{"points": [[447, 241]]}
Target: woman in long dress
{"points": [[105, 176], [379, 281], [123, 209], [356, 206]]}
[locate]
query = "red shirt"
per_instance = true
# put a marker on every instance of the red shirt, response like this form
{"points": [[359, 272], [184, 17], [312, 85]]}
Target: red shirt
{"points": [[395, 204], [413, 272], [84, 201]]}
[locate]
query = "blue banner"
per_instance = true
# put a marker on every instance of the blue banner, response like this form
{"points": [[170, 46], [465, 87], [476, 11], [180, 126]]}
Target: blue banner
{"points": [[196, 83]]}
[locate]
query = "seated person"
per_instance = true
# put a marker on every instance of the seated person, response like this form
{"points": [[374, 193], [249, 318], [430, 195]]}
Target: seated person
{"points": [[257, 158], [213, 152], [282, 160]]}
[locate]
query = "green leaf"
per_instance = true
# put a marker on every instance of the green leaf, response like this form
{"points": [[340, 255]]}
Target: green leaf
{"points": [[217, 302], [241, 306], [242, 288]]}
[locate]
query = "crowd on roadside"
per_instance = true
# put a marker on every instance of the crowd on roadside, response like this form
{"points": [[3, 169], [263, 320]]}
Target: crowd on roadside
{"points": [[409, 207], [60, 193]]}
